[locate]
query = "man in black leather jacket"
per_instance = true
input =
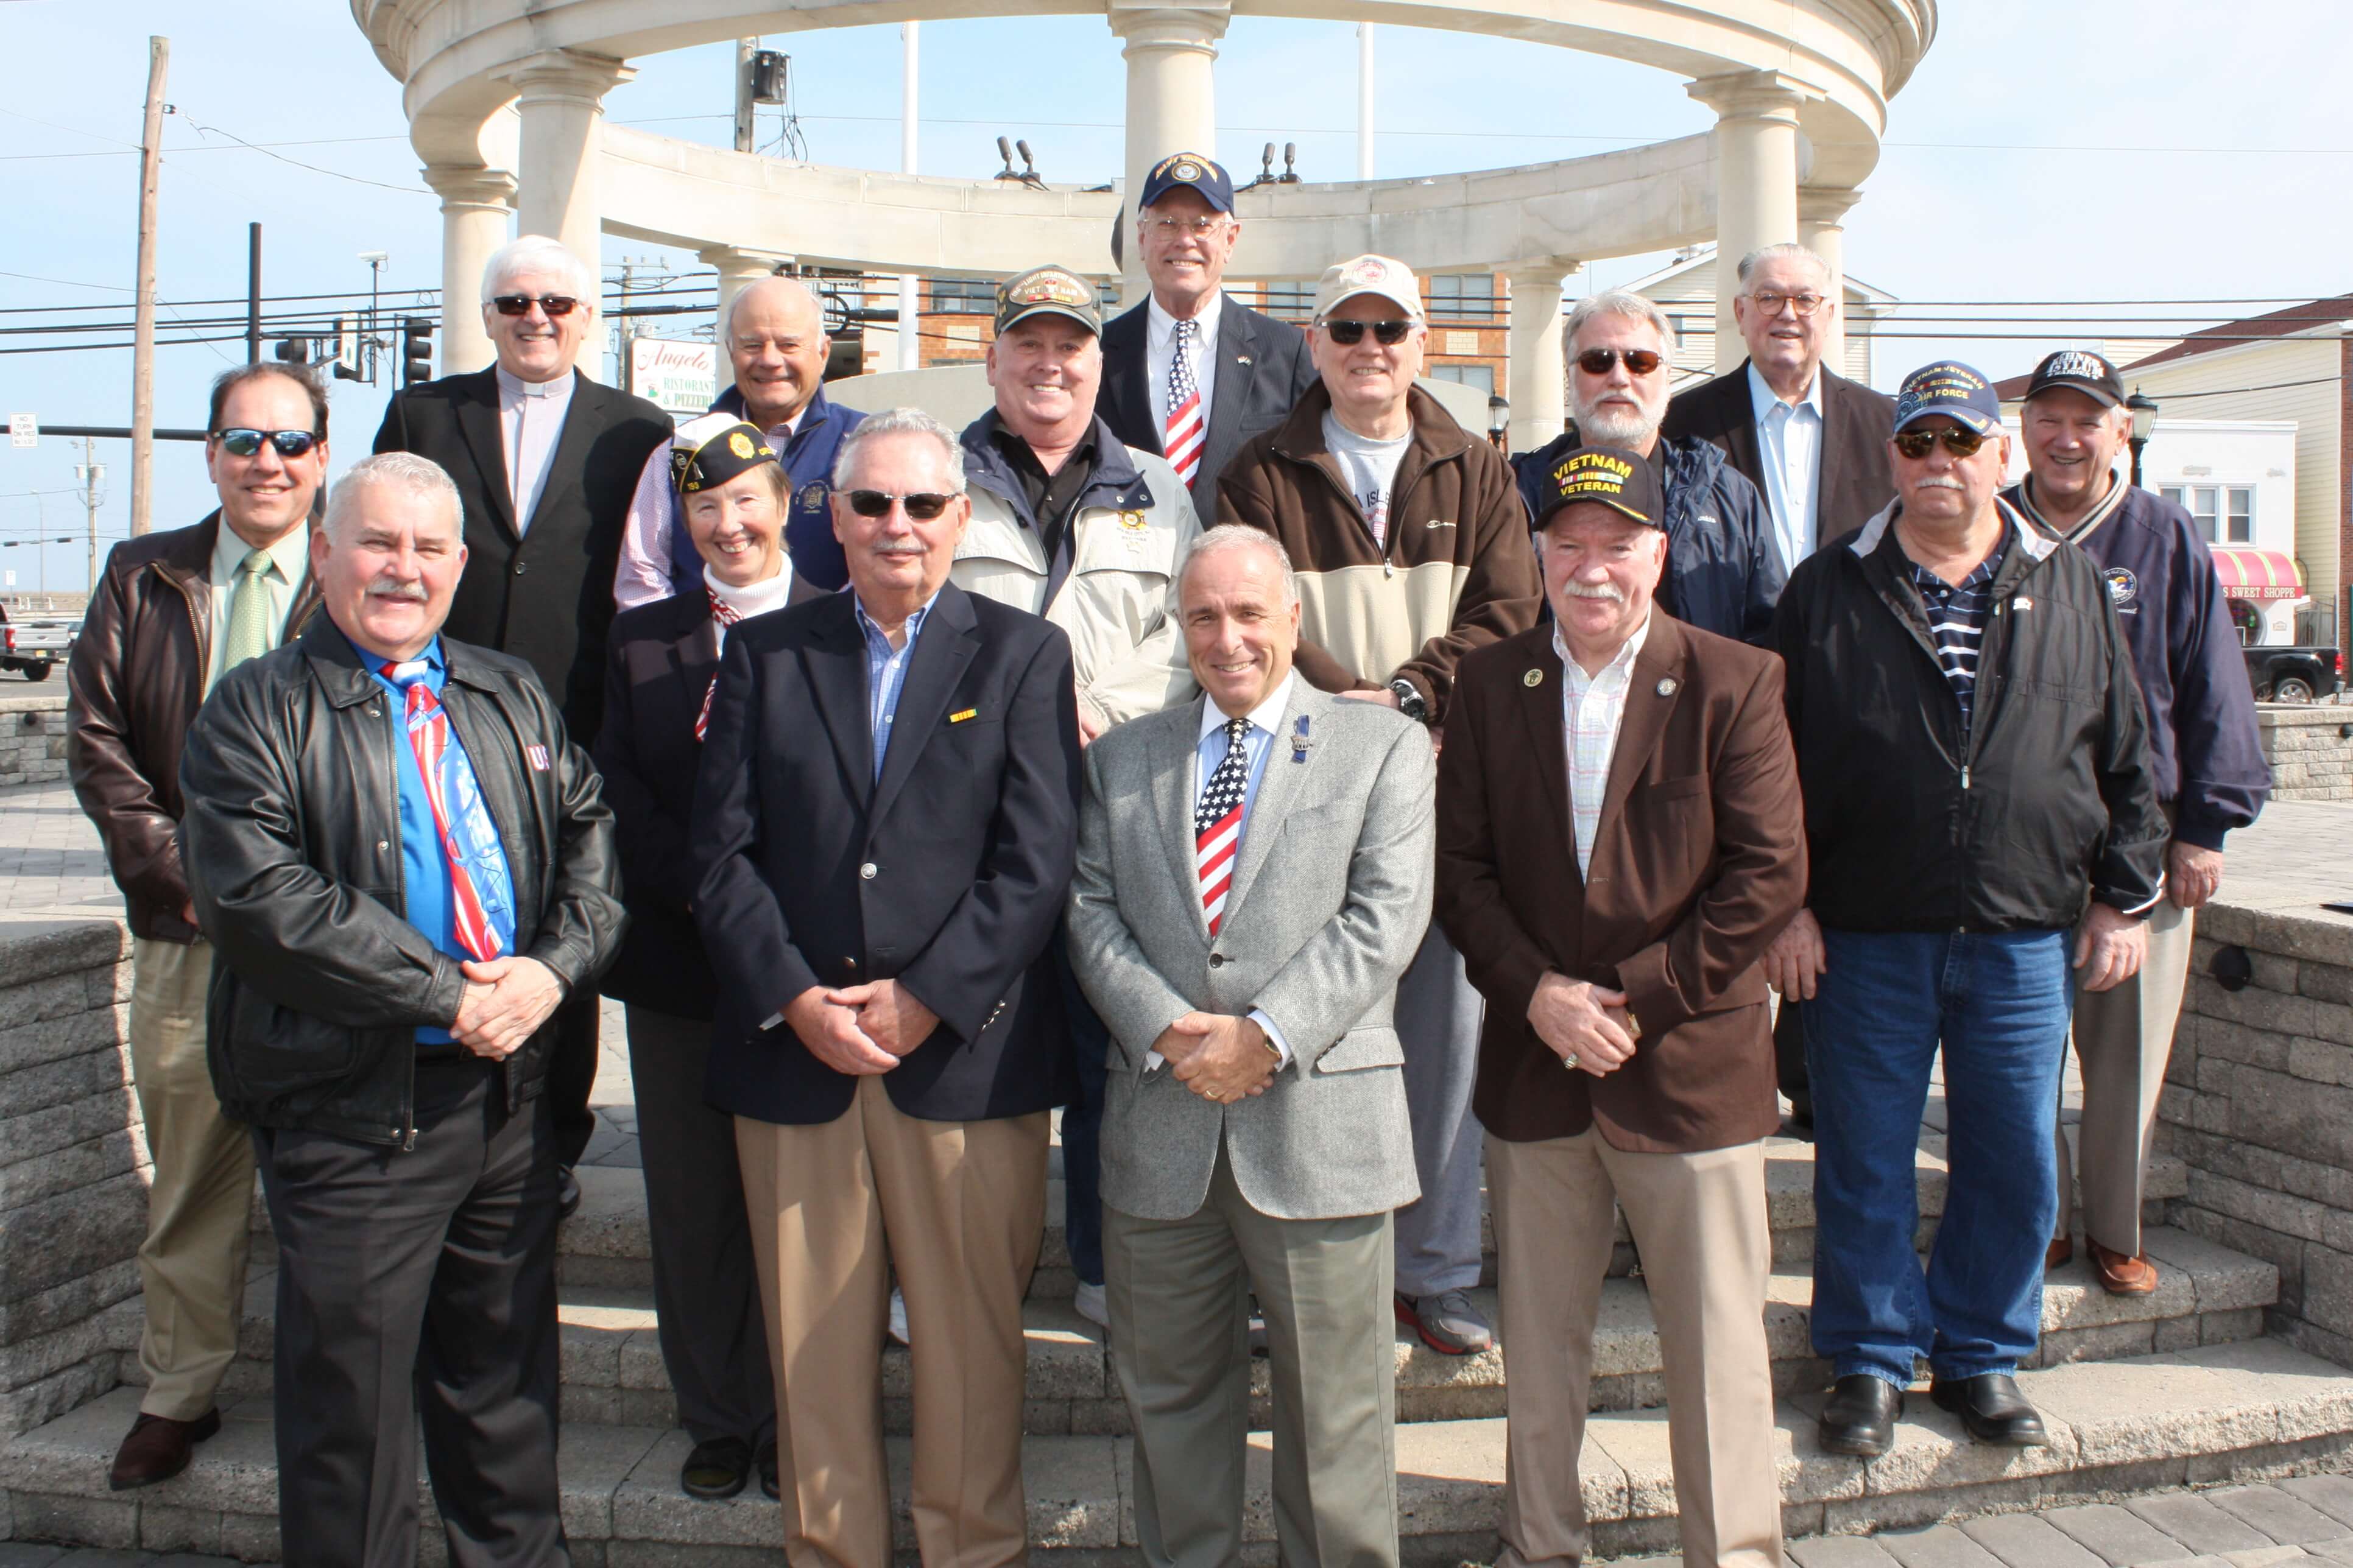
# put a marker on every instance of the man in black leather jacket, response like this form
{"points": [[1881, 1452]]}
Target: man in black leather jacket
{"points": [[405, 866]]}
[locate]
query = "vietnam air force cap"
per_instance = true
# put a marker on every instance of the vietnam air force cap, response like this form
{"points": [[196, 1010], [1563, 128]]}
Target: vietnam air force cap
{"points": [[1955, 390]]}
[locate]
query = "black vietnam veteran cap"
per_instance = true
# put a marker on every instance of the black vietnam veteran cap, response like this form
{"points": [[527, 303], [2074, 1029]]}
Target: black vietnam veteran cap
{"points": [[711, 450], [1047, 291], [1621, 480], [1189, 170], [2079, 370]]}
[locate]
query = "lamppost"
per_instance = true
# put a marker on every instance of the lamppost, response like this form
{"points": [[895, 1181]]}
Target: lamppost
{"points": [[1499, 420], [2143, 409]]}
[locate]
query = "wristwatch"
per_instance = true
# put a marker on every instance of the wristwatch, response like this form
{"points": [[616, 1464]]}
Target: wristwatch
{"points": [[1410, 701]]}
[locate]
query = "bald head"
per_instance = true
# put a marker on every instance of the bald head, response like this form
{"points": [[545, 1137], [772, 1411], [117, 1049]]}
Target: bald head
{"points": [[776, 342]]}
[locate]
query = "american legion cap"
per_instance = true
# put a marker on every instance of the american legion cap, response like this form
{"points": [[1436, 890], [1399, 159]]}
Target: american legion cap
{"points": [[1391, 280], [709, 451], [1621, 480]]}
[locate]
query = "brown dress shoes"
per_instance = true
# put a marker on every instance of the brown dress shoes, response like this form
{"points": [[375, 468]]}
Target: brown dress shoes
{"points": [[157, 1448]]}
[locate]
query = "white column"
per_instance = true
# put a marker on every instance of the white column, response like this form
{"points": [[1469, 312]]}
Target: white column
{"points": [[1537, 383], [737, 271], [911, 346], [1172, 100], [560, 96], [1822, 228], [1755, 180], [475, 206]]}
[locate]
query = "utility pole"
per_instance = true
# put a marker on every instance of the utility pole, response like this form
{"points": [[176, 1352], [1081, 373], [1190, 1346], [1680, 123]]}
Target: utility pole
{"points": [[253, 293], [1363, 101], [142, 337], [910, 347], [744, 50], [90, 475]]}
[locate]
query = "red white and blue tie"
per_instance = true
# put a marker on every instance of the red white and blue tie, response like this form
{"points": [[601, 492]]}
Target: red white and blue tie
{"points": [[1217, 823], [482, 910], [1188, 424], [725, 615]]}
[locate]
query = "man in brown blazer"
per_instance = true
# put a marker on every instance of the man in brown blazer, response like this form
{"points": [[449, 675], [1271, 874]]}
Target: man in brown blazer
{"points": [[1620, 838]]}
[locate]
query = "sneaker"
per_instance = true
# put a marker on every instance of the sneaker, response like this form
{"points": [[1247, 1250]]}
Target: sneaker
{"points": [[899, 1319], [1090, 1304], [1447, 1322]]}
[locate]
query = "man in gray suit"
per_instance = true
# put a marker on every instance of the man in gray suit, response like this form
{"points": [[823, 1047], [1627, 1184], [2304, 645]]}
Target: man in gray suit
{"points": [[1254, 875]]}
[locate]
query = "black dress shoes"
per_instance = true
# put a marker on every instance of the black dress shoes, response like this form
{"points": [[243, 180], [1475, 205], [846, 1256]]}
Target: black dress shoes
{"points": [[768, 1468], [567, 1192], [716, 1470], [1859, 1417], [1993, 1410]]}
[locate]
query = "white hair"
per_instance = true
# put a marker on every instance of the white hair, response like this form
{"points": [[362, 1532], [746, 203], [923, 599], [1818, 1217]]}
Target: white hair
{"points": [[897, 422], [816, 305], [1785, 251], [1227, 536], [1618, 302], [420, 479], [537, 253]]}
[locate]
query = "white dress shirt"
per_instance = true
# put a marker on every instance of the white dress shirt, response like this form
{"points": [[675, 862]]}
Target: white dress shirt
{"points": [[753, 599], [531, 420], [1591, 708], [1265, 720], [1160, 351], [290, 558], [1789, 439], [654, 517]]}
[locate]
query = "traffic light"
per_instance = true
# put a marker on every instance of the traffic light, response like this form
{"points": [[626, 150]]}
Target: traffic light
{"points": [[416, 350]]}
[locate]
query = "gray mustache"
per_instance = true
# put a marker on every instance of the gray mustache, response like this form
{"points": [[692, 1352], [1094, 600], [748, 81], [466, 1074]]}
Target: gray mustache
{"points": [[412, 592]]}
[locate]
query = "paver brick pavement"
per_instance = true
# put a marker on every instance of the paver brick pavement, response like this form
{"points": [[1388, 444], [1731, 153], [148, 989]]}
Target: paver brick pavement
{"points": [[2281, 1515], [2118, 1536], [2026, 1541]]}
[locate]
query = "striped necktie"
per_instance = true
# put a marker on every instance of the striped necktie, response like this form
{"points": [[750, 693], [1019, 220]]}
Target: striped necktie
{"points": [[1217, 823], [1188, 425], [726, 615], [483, 911]]}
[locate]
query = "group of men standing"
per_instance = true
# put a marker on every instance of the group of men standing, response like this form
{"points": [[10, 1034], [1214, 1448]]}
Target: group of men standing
{"points": [[1214, 740]]}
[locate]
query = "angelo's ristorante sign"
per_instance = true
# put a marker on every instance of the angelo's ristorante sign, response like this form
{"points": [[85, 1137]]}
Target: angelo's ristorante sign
{"points": [[678, 375]]}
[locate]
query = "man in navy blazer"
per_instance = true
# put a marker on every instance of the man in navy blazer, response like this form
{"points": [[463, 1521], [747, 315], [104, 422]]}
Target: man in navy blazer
{"points": [[1240, 371], [885, 827]]}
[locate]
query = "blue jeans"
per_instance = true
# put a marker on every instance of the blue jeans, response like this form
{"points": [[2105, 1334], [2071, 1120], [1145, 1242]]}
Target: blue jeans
{"points": [[1081, 1133], [1999, 1004]]}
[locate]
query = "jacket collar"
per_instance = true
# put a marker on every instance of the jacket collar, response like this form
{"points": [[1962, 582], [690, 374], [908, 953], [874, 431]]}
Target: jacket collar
{"points": [[818, 414], [339, 668], [1116, 482], [2034, 543], [1436, 437]]}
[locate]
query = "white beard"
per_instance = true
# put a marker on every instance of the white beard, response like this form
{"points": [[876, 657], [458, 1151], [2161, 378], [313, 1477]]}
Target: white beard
{"points": [[1608, 428]]}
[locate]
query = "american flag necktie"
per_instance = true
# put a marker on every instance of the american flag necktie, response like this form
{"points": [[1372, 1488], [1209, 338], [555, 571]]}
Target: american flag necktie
{"points": [[1217, 823], [485, 924], [726, 615], [1187, 420]]}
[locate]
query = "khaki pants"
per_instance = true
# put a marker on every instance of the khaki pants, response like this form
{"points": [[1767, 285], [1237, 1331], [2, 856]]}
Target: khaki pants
{"points": [[961, 1207], [192, 1265], [1699, 1222], [2124, 1037]]}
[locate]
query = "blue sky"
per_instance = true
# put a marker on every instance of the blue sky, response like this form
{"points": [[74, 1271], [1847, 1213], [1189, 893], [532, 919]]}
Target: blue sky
{"points": [[2081, 149]]}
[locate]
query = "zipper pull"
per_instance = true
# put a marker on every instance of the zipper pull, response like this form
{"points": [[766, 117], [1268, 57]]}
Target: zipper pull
{"points": [[409, 1143], [1965, 775], [1389, 568]]}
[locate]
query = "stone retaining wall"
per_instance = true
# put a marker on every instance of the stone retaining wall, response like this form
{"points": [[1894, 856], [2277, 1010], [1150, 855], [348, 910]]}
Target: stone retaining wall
{"points": [[33, 736], [73, 1164], [2310, 750], [2258, 1102]]}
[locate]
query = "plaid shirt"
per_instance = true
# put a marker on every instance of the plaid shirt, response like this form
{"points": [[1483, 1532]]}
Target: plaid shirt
{"points": [[1591, 706]]}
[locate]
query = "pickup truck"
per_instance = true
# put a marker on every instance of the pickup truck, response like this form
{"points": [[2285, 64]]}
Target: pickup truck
{"points": [[2295, 674], [33, 647]]}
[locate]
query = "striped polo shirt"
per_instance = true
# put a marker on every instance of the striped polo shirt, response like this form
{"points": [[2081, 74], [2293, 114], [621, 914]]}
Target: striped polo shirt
{"points": [[1957, 616]]}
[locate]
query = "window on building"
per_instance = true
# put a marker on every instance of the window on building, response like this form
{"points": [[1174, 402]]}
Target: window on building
{"points": [[1463, 297], [2225, 514], [1481, 376], [963, 296]]}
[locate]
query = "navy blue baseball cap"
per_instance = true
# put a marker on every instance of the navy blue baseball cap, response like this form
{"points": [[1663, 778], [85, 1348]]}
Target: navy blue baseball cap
{"points": [[1952, 389], [1189, 170]]}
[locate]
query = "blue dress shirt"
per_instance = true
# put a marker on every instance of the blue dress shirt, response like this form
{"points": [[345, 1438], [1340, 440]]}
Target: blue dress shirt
{"points": [[886, 673]]}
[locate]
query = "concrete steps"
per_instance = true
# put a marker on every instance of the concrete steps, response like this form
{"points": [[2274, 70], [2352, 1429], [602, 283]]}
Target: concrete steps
{"points": [[2142, 1423], [612, 1372]]}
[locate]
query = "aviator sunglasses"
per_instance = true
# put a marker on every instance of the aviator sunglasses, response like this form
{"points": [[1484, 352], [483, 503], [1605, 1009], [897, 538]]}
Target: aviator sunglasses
{"points": [[242, 443], [1348, 334], [1960, 441], [521, 304], [923, 506], [1638, 362]]}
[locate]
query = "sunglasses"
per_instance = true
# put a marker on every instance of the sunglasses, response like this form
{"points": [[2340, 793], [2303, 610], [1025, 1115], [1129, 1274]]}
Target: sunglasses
{"points": [[1638, 362], [521, 304], [923, 506], [1348, 334], [242, 443], [1959, 440]]}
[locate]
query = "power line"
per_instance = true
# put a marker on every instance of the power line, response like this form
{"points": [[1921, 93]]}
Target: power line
{"points": [[296, 162]]}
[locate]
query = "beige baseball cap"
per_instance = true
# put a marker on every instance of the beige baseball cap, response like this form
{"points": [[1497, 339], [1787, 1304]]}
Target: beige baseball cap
{"points": [[1391, 280]]}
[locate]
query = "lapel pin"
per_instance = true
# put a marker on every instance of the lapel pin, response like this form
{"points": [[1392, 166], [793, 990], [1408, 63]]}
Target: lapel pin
{"points": [[1533, 679], [962, 714], [1299, 740], [1241, 359], [1667, 687]]}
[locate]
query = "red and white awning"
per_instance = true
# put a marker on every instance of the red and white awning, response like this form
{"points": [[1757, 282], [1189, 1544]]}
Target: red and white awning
{"points": [[2258, 573]]}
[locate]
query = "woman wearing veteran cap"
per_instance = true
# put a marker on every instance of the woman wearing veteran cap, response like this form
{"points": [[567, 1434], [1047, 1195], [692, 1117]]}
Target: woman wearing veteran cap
{"points": [[664, 664]]}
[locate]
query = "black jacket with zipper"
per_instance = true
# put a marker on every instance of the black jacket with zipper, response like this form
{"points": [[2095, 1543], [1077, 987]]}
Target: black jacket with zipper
{"points": [[291, 840], [1914, 824]]}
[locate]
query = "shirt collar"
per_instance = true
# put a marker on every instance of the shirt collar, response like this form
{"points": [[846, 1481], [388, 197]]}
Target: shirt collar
{"points": [[431, 662], [1763, 399], [512, 385], [1625, 658], [289, 557], [914, 622], [1266, 716], [1162, 326], [757, 598]]}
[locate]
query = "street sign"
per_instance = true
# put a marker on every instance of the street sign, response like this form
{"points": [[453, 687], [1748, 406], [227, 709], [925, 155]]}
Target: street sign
{"points": [[24, 430]]}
